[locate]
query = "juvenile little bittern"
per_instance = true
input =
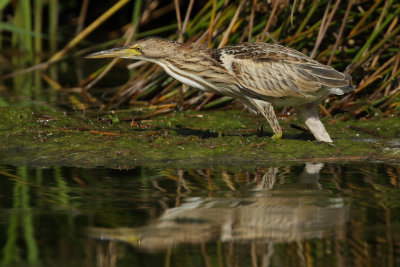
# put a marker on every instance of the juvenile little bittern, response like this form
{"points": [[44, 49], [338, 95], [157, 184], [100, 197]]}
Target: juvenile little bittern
{"points": [[260, 74]]}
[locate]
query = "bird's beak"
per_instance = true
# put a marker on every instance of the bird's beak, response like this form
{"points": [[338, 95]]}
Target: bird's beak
{"points": [[121, 52]]}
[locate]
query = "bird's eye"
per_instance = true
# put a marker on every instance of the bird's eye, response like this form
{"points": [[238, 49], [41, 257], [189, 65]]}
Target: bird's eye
{"points": [[138, 48]]}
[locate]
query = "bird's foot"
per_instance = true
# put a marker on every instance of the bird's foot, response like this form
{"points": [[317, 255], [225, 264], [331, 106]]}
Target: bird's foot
{"points": [[276, 136]]}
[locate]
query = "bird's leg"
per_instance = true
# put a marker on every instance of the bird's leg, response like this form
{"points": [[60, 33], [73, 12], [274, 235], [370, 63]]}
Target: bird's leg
{"points": [[267, 110], [310, 115]]}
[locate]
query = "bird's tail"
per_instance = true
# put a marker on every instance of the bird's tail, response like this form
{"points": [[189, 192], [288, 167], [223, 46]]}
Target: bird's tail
{"points": [[343, 89]]}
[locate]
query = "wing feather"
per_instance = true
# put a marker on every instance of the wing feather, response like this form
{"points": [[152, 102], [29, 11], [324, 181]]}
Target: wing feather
{"points": [[277, 71]]}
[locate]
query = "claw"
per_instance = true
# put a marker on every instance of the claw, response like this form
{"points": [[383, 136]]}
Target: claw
{"points": [[331, 144]]}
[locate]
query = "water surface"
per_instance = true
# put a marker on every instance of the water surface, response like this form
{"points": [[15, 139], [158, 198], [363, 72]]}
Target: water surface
{"points": [[313, 214]]}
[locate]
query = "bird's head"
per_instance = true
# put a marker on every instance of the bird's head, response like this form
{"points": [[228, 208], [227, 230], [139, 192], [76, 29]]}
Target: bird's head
{"points": [[149, 49]]}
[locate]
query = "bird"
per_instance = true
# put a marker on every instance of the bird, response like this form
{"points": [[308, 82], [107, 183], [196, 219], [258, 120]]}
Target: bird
{"points": [[261, 75]]}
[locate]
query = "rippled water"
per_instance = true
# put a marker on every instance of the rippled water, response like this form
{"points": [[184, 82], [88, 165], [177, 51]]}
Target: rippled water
{"points": [[314, 214]]}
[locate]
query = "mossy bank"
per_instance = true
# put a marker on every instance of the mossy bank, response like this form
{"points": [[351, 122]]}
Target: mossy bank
{"points": [[230, 138]]}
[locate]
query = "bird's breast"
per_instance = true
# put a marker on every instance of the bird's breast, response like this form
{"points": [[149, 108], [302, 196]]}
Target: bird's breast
{"points": [[186, 80], [203, 76], [183, 76]]}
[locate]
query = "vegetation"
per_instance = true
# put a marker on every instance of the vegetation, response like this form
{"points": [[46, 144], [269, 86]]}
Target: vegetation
{"points": [[39, 39]]}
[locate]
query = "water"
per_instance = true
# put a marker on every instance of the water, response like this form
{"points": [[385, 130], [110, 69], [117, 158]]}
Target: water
{"points": [[314, 214]]}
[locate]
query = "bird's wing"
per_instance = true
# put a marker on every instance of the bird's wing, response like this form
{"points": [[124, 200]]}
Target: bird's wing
{"points": [[277, 71]]}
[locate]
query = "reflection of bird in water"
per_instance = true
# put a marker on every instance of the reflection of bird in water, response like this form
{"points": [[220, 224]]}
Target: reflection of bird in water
{"points": [[310, 175], [287, 214], [259, 74], [268, 179]]}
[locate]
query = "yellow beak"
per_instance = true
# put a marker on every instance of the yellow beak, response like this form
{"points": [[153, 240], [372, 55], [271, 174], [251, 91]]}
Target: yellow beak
{"points": [[121, 52]]}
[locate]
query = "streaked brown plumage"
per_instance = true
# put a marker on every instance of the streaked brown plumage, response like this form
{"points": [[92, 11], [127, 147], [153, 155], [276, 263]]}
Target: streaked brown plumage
{"points": [[260, 74]]}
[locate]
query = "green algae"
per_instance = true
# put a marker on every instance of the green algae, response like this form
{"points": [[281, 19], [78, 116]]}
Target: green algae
{"points": [[227, 138]]}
